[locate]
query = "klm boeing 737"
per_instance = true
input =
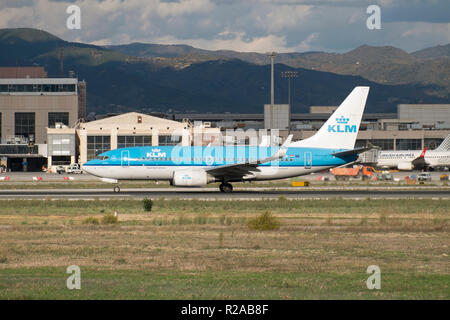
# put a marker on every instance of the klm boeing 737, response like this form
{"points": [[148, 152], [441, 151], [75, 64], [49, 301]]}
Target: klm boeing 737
{"points": [[192, 166]]}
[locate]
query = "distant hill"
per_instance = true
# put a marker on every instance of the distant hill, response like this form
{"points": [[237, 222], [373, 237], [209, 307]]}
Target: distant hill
{"points": [[433, 52], [181, 78], [137, 49], [384, 65]]}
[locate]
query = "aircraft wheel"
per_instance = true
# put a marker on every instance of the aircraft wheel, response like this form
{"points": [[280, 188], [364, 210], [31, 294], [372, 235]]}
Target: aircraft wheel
{"points": [[226, 187], [117, 189]]}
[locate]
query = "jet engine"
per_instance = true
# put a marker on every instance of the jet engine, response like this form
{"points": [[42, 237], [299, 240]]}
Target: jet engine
{"points": [[406, 166], [191, 178]]}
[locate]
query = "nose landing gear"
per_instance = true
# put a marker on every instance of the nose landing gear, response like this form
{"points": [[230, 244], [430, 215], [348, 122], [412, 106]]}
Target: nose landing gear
{"points": [[226, 187], [116, 189]]}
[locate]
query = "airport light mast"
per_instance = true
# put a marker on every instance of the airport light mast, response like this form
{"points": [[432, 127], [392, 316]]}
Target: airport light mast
{"points": [[272, 91], [289, 75]]}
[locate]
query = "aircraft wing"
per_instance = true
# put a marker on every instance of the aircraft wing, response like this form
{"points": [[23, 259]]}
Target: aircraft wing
{"points": [[353, 151], [238, 170]]}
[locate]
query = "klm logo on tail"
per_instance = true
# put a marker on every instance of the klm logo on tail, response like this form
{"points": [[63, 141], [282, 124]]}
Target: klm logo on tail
{"points": [[342, 126]]}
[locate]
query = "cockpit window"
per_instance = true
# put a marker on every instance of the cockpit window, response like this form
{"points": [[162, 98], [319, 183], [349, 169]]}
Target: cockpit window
{"points": [[102, 157]]}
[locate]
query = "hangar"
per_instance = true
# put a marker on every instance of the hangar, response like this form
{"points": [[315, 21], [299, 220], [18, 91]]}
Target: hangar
{"points": [[88, 139]]}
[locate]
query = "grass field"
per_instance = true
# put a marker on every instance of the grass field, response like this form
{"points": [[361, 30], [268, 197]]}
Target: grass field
{"points": [[191, 249], [95, 184]]}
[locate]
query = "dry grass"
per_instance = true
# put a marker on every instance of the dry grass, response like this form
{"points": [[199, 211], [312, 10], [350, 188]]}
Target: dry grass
{"points": [[310, 243]]}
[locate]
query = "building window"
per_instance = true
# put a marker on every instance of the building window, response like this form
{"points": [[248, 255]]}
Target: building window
{"points": [[61, 145], [133, 141], [58, 117], [38, 88], [409, 144], [432, 143], [384, 144], [169, 140], [97, 145], [360, 143], [61, 160], [25, 124]]}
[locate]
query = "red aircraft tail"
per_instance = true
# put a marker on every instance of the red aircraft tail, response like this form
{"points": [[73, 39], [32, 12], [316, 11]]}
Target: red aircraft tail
{"points": [[423, 153]]}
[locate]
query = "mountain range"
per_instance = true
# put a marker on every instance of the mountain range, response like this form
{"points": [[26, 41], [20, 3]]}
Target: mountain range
{"points": [[181, 78]]}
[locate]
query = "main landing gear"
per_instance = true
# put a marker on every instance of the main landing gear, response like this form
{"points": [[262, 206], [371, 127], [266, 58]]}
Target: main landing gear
{"points": [[226, 187], [116, 189]]}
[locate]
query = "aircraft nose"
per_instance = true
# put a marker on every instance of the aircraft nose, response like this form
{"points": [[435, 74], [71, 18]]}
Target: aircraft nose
{"points": [[87, 168]]}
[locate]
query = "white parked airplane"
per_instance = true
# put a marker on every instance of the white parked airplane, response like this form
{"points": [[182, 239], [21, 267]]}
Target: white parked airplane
{"points": [[416, 159], [192, 166]]}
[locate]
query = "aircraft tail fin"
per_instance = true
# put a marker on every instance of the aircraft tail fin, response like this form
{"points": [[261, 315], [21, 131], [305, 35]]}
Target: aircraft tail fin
{"points": [[342, 127], [445, 145]]}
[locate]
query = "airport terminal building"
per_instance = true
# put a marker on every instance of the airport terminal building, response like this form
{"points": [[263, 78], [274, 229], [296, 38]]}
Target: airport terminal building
{"points": [[29, 103], [42, 123], [413, 127]]}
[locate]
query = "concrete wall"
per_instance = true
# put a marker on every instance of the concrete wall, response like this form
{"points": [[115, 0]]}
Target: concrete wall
{"points": [[424, 113], [276, 116]]}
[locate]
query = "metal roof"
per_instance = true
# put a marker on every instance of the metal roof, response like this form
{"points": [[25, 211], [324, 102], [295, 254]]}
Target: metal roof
{"points": [[260, 116], [39, 81]]}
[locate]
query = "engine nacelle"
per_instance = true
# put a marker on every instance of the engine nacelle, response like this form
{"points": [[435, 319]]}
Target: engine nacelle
{"points": [[406, 166], [191, 178]]}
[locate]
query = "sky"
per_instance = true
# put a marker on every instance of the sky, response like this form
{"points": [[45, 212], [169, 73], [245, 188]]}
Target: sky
{"points": [[241, 25]]}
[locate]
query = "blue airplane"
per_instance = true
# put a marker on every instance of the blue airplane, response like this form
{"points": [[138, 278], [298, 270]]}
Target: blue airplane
{"points": [[195, 166]]}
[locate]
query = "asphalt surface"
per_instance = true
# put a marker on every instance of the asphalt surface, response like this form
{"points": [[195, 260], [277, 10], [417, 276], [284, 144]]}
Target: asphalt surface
{"points": [[54, 177], [238, 194]]}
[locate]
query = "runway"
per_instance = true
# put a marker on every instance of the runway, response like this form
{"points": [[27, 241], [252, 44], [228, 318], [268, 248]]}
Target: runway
{"points": [[238, 194]]}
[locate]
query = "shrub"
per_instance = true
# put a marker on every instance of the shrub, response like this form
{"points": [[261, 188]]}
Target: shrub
{"points": [[120, 261], [200, 220], [109, 219], [265, 221], [148, 204], [383, 219], [363, 221], [91, 220], [220, 239]]}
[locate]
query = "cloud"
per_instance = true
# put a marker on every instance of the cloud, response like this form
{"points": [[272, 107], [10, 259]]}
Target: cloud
{"points": [[251, 25]]}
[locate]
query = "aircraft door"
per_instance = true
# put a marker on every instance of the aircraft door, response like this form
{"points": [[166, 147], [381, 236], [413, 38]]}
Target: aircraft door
{"points": [[308, 160], [125, 158]]}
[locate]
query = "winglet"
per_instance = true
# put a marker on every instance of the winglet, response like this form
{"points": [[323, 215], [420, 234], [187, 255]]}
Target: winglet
{"points": [[423, 153], [282, 151], [287, 142]]}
